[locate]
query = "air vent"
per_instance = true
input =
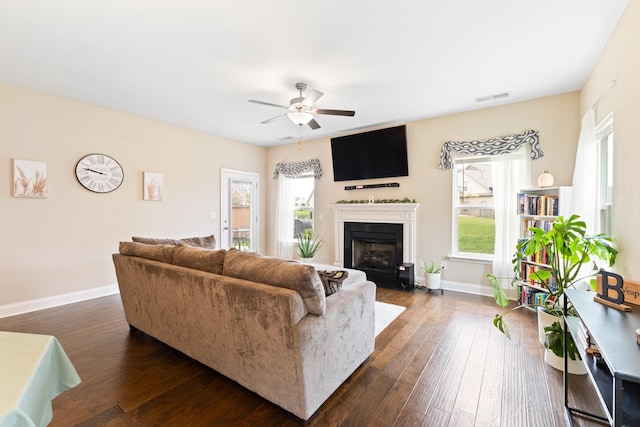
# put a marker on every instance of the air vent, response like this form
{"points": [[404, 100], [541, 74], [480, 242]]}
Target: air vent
{"points": [[285, 138], [493, 97]]}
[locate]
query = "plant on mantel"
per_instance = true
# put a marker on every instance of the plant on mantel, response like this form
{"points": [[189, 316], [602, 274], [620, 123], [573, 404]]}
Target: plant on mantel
{"points": [[569, 249], [366, 201]]}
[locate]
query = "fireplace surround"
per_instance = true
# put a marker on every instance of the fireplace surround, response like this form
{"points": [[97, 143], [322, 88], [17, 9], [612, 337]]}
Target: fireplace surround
{"points": [[401, 217]]}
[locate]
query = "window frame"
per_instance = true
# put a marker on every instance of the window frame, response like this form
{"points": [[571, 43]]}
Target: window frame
{"points": [[306, 175], [455, 251], [605, 141]]}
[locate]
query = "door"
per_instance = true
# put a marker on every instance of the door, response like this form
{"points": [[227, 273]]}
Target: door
{"points": [[239, 210]]}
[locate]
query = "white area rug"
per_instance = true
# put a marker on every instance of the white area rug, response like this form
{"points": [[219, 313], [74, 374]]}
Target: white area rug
{"points": [[385, 314]]}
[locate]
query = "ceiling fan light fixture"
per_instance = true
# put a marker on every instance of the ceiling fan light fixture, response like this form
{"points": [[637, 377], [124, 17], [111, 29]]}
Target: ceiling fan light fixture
{"points": [[300, 117]]}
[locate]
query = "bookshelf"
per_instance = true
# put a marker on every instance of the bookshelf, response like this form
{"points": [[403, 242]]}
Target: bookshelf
{"points": [[538, 208]]}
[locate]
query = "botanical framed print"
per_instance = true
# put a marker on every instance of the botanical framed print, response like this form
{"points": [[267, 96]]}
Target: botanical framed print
{"points": [[152, 187], [29, 178]]}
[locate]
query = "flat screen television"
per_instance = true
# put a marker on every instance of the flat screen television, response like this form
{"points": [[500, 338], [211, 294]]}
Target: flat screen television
{"points": [[375, 154]]}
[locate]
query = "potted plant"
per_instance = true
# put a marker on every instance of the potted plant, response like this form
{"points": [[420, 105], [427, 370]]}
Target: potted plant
{"points": [[432, 275], [308, 245], [573, 257]]}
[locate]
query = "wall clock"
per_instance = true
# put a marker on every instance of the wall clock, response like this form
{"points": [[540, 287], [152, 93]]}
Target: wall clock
{"points": [[99, 173]]}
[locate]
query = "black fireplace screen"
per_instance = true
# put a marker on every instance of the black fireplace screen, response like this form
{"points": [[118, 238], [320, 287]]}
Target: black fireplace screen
{"points": [[376, 246]]}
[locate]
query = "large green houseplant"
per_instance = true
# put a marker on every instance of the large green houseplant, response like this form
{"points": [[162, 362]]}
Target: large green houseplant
{"points": [[573, 256]]}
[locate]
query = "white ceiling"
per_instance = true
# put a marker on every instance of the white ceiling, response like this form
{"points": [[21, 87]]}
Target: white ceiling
{"points": [[196, 63]]}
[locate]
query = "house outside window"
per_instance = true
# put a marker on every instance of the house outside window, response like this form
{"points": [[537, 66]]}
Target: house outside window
{"points": [[473, 210]]}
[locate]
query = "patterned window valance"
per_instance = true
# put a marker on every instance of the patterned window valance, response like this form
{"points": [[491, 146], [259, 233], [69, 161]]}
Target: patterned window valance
{"points": [[495, 146], [295, 169]]}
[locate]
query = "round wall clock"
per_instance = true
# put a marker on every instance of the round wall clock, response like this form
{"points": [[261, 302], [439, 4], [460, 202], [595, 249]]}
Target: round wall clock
{"points": [[99, 173]]}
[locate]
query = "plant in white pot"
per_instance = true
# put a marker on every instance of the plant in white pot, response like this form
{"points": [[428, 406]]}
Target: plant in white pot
{"points": [[432, 275], [570, 250], [308, 245]]}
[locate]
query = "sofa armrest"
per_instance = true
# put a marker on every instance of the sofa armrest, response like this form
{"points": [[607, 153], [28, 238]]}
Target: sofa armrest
{"points": [[334, 345]]}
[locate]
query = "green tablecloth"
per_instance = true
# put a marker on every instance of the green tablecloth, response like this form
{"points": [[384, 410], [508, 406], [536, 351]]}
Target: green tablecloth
{"points": [[34, 369]]}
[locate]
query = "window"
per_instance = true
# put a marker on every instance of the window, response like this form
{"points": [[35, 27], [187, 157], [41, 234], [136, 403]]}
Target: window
{"points": [[302, 204], [474, 225], [604, 133]]}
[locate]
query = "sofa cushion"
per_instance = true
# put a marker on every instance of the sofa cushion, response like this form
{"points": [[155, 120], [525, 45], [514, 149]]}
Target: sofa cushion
{"points": [[208, 242], [162, 253], [199, 258], [332, 280], [278, 272]]}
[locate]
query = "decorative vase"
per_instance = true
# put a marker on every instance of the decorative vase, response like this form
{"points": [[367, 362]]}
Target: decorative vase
{"points": [[433, 280], [307, 260]]}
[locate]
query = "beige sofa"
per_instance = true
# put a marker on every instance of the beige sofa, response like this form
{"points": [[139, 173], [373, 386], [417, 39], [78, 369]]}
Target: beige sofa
{"points": [[263, 322]]}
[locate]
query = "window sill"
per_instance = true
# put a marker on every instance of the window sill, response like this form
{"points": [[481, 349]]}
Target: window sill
{"points": [[470, 259]]}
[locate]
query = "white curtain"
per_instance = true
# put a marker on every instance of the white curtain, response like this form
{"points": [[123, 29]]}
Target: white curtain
{"points": [[511, 173], [585, 174], [284, 218]]}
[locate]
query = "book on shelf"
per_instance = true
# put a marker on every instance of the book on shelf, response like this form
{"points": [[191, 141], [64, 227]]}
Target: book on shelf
{"points": [[534, 204], [527, 275], [584, 340], [531, 297]]}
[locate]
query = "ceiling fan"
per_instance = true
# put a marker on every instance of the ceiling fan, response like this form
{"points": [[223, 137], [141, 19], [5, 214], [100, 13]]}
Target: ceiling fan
{"points": [[301, 109]]}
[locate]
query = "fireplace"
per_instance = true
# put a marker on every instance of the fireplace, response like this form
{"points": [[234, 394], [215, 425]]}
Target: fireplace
{"points": [[376, 249], [401, 216]]}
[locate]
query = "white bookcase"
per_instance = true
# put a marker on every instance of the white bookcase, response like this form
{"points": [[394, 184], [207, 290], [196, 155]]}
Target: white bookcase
{"points": [[538, 208]]}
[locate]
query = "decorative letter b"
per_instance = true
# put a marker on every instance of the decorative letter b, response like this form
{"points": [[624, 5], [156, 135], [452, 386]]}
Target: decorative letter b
{"points": [[607, 290]]}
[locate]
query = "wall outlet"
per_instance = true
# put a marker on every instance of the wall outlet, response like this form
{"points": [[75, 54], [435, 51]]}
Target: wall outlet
{"points": [[443, 265]]}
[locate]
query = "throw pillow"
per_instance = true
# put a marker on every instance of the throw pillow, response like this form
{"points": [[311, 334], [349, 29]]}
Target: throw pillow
{"points": [[162, 253], [278, 272], [199, 258], [208, 242], [332, 280]]}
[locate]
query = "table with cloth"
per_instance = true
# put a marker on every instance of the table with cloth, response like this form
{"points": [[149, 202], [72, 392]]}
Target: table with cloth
{"points": [[34, 369]]}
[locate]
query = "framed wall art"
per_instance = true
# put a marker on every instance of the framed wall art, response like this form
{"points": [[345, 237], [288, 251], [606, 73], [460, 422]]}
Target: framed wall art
{"points": [[29, 178], [152, 186]]}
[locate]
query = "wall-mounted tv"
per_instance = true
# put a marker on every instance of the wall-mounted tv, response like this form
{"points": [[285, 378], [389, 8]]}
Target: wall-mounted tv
{"points": [[376, 154]]}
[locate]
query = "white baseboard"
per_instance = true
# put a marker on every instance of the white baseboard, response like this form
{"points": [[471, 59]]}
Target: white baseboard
{"points": [[472, 288], [56, 300]]}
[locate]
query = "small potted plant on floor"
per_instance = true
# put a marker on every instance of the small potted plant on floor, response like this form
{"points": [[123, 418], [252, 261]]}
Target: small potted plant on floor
{"points": [[432, 275], [308, 245]]}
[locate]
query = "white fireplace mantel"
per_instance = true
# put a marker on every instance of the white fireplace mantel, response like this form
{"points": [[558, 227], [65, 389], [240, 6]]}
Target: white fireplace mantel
{"points": [[393, 213]]}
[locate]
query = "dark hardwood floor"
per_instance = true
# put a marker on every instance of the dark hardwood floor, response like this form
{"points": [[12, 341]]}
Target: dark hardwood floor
{"points": [[441, 363]]}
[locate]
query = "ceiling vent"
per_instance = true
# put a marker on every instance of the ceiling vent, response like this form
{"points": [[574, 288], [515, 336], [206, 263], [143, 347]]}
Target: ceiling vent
{"points": [[493, 97]]}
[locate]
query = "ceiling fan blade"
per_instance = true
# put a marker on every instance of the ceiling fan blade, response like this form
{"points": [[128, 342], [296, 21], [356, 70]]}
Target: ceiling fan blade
{"points": [[311, 99], [269, 104], [336, 112], [273, 119], [313, 124]]}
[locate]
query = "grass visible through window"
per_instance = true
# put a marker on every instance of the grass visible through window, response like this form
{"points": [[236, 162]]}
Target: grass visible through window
{"points": [[476, 235]]}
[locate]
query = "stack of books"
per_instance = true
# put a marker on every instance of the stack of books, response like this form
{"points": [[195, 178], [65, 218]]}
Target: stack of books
{"points": [[585, 341]]}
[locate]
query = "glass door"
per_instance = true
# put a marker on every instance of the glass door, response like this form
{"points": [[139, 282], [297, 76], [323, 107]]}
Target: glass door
{"points": [[239, 206]]}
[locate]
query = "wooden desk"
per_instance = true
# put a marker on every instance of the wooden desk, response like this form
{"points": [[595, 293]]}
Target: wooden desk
{"points": [[34, 369], [618, 380]]}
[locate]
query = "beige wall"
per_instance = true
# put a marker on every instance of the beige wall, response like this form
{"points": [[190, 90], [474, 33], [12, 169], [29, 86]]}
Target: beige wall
{"points": [[63, 244], [620, 61], [556, 118]]}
